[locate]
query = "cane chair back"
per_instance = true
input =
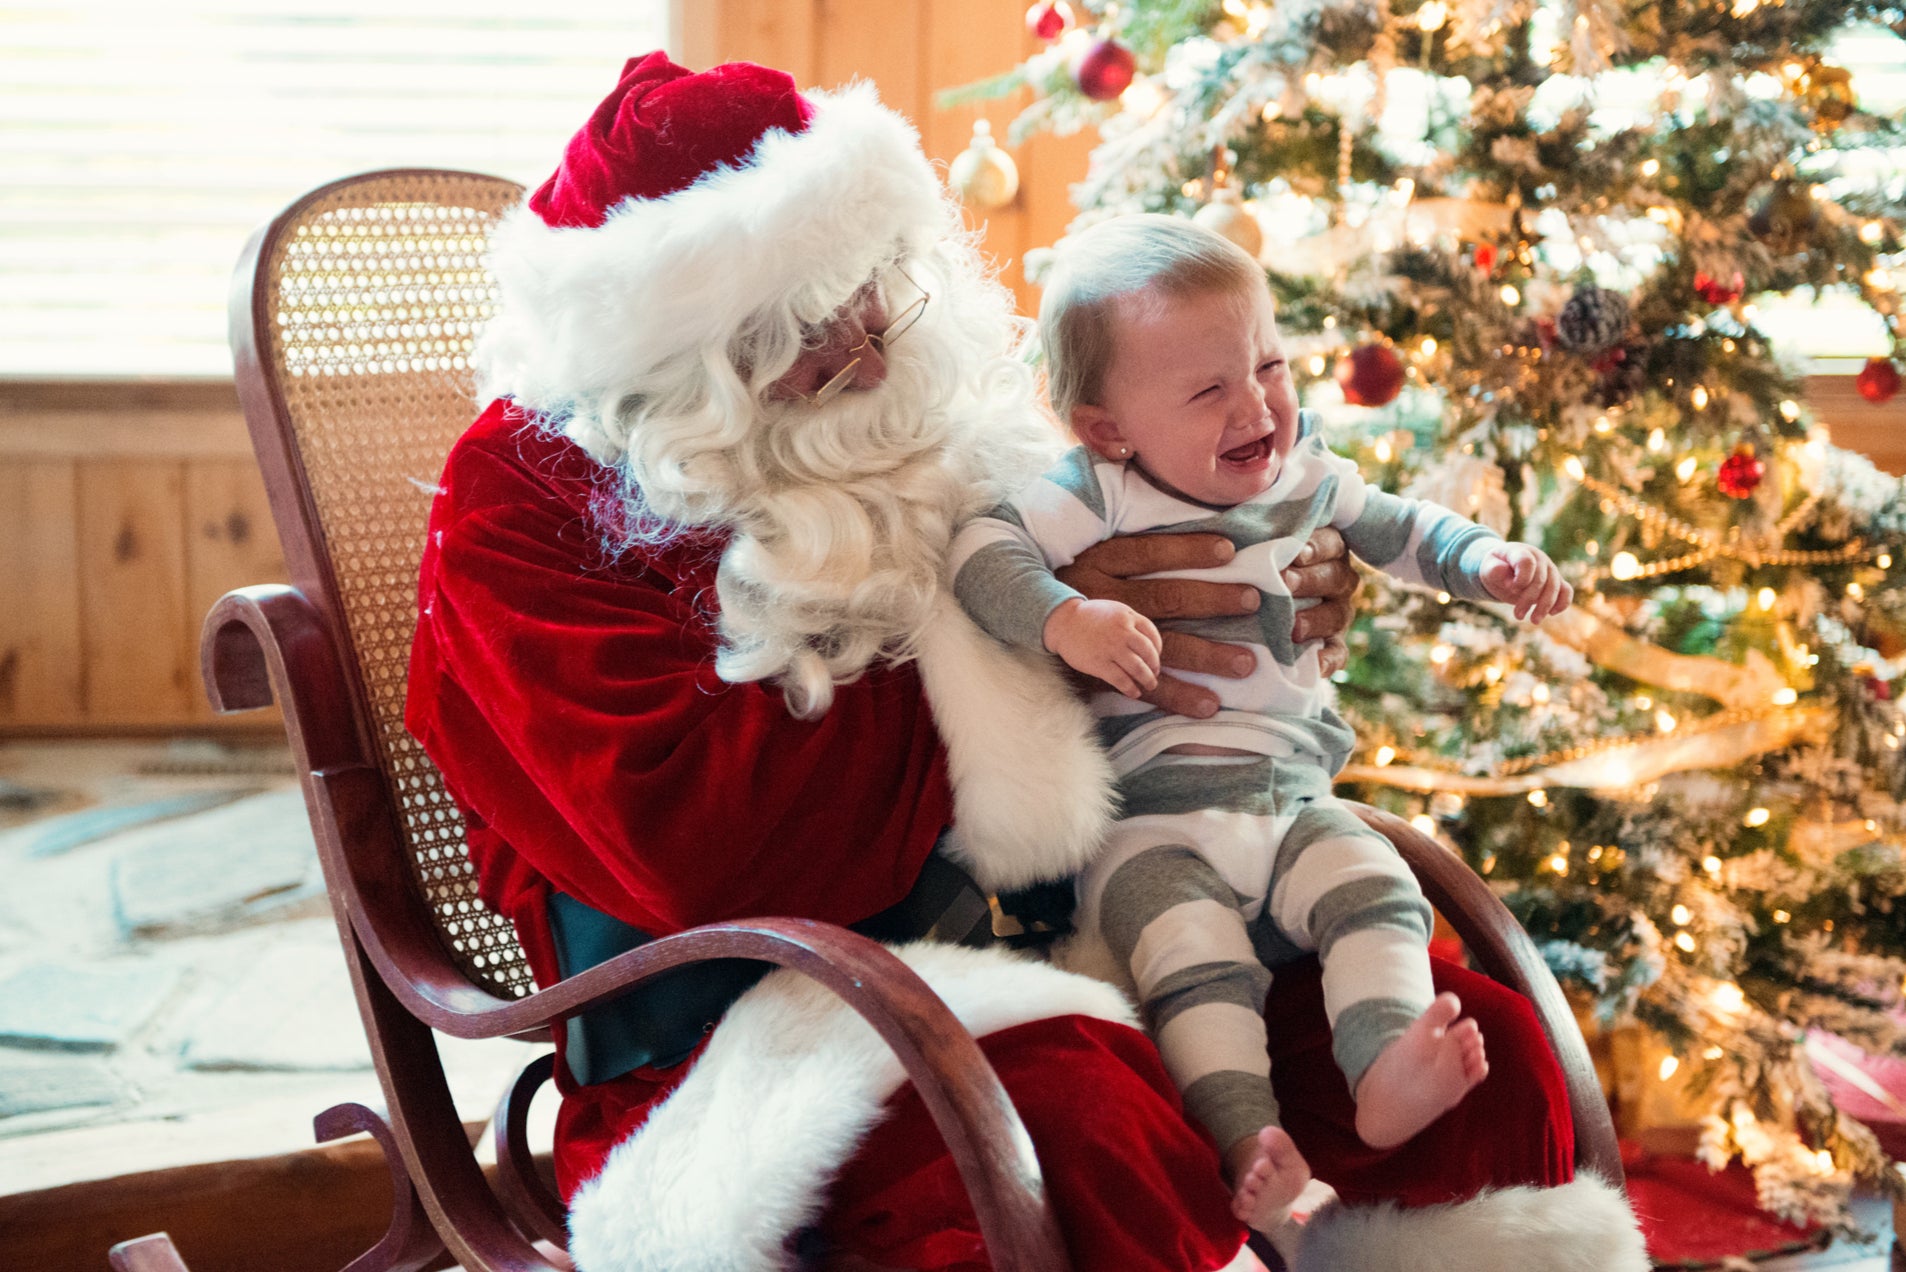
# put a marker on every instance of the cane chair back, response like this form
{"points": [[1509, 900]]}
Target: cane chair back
{"points": [[366, 299]]}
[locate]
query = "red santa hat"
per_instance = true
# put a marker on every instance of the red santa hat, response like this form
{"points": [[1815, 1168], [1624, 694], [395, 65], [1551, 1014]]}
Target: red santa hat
{"points": [[687, 203]]}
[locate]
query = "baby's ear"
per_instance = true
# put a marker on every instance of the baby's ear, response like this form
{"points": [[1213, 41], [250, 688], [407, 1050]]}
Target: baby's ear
{"points": [[1095, 426]]}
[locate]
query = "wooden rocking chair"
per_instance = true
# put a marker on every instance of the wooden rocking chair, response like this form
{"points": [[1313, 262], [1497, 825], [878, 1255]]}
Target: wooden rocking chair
{"points": [[353, 314]]}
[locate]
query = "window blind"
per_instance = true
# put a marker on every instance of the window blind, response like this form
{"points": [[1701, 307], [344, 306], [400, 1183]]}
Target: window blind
{"points": [[141, 142]]}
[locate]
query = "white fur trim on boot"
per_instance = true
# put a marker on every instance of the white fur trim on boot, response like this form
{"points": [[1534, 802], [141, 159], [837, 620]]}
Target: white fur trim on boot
{"points": [[740, 1156], [1583, 1226], [1032, 791]]}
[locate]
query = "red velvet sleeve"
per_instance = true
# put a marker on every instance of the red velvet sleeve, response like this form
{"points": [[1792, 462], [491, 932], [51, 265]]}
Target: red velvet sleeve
{"points": [[569, 696]]}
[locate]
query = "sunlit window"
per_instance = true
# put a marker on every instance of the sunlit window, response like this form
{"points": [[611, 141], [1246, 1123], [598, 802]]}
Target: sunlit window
{"points": [[142, 143]]}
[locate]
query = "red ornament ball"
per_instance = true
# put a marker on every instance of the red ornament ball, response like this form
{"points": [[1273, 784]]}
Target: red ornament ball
{"points": [[1486, 257], [1878, 380], [1879, 689], [1371, 375], [1740, 474], [1713, 291], [1105, 71], [1049, 20]]}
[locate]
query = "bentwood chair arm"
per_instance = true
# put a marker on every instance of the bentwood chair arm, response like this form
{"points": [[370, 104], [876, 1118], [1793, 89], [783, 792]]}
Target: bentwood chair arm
{"points": [[271, 641]]}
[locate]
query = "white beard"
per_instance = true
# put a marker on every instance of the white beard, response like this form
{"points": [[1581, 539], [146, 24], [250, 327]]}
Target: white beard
{"points": [[840, 515]]}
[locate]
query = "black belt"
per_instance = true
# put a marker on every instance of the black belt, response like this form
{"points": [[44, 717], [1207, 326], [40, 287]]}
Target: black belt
{"points": [[661, 1021]]}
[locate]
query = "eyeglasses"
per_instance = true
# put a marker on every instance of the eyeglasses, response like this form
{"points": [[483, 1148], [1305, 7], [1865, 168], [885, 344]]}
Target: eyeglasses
{"points": [[879, 341]]}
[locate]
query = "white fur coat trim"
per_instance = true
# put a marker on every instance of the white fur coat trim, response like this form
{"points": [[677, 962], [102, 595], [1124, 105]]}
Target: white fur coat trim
{"points": [[740, 1156], [584, 313], [1032, 791], [1582, 1226]]}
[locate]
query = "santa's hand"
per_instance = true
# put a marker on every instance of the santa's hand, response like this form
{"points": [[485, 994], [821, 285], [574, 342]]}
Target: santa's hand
{"points": [[1111, 571], [1106, 639], [1322, 571], [1524, 578]]}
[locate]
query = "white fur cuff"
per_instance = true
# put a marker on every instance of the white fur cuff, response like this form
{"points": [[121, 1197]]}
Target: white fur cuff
{"points": [[1583, 1226], [1032, 791]]}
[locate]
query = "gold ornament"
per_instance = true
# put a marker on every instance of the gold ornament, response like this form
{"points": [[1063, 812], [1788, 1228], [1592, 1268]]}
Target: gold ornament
{"points": [[983, 175], [1227, 215], [1828, 93]]}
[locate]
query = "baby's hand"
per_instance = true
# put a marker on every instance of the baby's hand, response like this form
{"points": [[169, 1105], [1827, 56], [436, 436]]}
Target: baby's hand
{"points": [[1525, 578], [1107, 639]]}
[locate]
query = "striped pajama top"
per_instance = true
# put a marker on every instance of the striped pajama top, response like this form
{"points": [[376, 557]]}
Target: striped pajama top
{"points": [[1001, 565]]}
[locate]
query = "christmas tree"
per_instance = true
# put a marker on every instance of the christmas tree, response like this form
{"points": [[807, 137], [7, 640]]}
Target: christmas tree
{"points": [[1519, 251]]}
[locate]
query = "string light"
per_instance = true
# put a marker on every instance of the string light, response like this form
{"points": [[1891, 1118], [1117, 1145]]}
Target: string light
{"points": [[1710, 544], [1510, 296], [1432, 16], [1665, 721], [1681, 915], [1767, 596], [1668, 1065], [1711, 864], [1790, 410], [1385, 755], [1756, 817], [1786, 697], [1684, 942], [1781, 916], [1539, 798], [1424, 822]]}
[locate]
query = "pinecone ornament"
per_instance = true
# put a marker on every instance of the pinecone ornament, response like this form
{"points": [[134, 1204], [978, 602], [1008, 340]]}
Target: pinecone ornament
{"points": [[1593, 320]]}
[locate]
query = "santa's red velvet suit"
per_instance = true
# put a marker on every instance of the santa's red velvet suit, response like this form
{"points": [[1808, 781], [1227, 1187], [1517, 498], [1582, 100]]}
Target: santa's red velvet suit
{"points": [[564, 680]]}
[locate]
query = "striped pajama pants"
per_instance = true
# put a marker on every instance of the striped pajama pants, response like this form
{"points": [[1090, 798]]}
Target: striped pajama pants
{"points": [[1226, 868]]}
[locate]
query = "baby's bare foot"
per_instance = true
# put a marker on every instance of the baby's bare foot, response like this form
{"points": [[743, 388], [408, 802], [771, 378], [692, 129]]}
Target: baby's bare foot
{"points": [[1420, 1076], [1267, 1175]]}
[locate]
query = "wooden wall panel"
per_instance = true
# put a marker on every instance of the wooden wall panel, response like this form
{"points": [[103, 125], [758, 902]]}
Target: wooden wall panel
{"points": [[912, 53], [968, 40], [40, 673], [778, 33], [874, 40], [229, 542], [134, 625]]}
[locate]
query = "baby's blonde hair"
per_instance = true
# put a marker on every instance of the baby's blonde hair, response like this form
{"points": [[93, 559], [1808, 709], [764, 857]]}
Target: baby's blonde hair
{"points": [[1093, 269]]}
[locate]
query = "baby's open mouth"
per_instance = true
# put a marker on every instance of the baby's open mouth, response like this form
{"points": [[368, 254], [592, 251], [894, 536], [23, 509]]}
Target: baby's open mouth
{"points": [[1250, 452]]}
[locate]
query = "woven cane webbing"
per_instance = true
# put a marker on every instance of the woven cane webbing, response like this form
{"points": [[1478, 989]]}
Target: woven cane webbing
{"points": [[376, 296]]}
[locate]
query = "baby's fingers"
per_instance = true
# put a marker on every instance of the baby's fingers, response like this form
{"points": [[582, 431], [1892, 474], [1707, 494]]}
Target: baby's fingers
{"points": [[1141, 668]]}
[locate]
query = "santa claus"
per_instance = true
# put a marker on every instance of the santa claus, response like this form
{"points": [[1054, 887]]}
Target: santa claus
{"points": [[684, 656]]}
